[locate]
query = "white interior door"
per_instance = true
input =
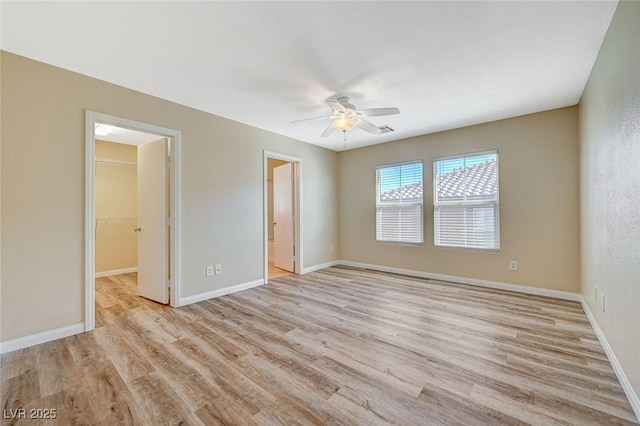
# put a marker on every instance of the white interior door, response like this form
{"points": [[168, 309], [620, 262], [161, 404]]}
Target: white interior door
{"points": [[152, 221], [283, 226]]}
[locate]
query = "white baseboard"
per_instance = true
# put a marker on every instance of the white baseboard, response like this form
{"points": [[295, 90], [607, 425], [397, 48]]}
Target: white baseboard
{"points": [[220, 292], [321, 266], [566, 295], [42, 337], [634, 401], [113, 272]]}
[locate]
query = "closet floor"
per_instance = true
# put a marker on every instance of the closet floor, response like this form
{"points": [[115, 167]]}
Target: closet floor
{"points": [[277, 272]]}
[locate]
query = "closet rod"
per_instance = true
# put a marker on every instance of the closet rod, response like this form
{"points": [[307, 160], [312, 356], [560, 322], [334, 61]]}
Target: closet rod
{"points": [[115, 162]]}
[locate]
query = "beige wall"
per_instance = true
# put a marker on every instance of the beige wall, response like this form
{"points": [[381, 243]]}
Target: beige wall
{"points": [[610, 188], [1, 338], [222, 192], [538, 157], [116, 197]]}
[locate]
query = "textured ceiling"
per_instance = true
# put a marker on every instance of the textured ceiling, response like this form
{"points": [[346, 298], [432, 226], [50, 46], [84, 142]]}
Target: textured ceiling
{"points": [[443, 64]]}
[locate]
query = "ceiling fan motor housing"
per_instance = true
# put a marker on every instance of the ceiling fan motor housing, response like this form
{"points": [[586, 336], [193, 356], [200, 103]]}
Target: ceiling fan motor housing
{"points": [[344, 101]]}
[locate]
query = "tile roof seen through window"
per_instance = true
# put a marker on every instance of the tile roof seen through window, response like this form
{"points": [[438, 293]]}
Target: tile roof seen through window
{"points": [[481, 179], [409, 192]]}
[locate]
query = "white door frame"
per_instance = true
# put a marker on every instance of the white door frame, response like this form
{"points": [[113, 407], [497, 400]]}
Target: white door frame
{"points": [[91, 118], [297, 209]]}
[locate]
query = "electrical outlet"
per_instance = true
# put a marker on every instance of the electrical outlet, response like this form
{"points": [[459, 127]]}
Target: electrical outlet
{"points": [[602, 304], [218, 269], [331, 248], [209, 271], [513, 265]]}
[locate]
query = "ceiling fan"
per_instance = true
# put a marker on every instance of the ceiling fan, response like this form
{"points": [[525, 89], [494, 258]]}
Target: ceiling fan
{"points": [[346, 117]]}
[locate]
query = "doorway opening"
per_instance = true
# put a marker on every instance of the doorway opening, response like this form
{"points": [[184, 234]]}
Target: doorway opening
{"points": [[282, 211], [116, 204], [131, 210]]}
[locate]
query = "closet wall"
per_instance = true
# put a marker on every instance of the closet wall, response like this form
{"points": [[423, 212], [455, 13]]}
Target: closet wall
{"points": [[116, 192]]}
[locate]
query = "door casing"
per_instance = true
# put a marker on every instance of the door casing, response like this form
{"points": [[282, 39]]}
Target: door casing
{"points": [[297, 173], [175, 285]]}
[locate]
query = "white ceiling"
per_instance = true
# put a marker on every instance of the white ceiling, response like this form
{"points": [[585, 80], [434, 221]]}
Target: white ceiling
{"points": [[443, 64], [127, 137]]}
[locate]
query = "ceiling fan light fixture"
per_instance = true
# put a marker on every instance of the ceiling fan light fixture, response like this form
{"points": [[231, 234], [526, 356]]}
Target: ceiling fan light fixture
{"points": [[346, 117], [344, 124]]}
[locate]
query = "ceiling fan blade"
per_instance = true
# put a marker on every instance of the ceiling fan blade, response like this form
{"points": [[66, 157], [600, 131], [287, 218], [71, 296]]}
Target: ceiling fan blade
{"points": [[374, 112], [368, 127], [329, 117], [336, 106], [328, 131]]}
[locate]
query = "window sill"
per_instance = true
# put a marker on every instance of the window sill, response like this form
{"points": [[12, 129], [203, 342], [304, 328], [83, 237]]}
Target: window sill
{"points": [[481, 250], [397, 243]]}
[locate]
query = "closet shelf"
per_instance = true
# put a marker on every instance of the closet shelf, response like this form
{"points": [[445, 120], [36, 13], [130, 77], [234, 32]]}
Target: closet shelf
{"points": [[107, 162]]}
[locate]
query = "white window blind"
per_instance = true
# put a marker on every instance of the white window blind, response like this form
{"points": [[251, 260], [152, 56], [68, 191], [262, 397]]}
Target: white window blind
{"points": [[399, 196], [466, 201]]}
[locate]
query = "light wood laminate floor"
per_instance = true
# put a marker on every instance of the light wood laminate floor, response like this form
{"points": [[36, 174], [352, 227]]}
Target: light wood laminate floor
{"points": [[277, 272], [337, 346]]}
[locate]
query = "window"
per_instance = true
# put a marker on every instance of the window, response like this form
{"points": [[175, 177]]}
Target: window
{"points": [[399, 203], [466, 201]]}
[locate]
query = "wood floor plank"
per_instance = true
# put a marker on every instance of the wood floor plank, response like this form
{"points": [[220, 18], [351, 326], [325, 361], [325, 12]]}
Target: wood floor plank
{"points": [[124, 354], [110, 398], [223, 411], [161, 403], [229, 379], [338, 346], [21, 390]]}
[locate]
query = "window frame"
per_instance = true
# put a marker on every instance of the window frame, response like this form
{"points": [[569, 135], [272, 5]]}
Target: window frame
{"points": [[378, 205], [473, 203]]}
